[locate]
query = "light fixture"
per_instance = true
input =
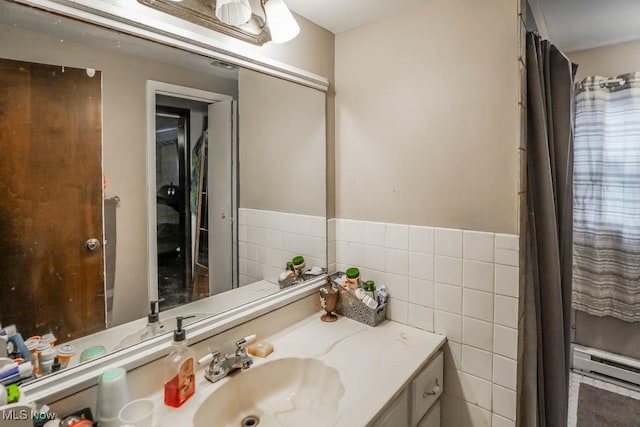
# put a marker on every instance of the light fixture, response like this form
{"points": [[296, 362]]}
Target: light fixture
{"points": [[282, 25], [233, 12]]}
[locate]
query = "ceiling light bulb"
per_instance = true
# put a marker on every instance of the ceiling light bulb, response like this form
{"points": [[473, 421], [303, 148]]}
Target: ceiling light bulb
{"points": [[233, 12], [282, 25]]}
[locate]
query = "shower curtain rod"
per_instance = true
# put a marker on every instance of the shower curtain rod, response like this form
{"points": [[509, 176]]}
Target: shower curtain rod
{"points": [[612, 82], [606, 83]]}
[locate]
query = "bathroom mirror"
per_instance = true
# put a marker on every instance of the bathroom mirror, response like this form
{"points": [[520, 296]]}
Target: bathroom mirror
{"points": [[146, 167]]}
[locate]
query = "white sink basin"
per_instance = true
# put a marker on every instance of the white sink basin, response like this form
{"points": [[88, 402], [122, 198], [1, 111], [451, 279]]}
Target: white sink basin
{"points": [[285, 393]]}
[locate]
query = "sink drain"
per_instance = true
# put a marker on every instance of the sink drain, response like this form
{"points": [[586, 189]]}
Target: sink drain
{"points": [[250, 421]]}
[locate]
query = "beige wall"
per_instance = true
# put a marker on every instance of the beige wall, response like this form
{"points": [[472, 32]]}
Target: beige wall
{"points": [[282, 135], [312, 50], [426, 117], [607, 61]]}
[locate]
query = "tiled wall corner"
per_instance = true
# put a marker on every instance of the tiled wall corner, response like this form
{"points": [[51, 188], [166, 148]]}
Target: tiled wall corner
{"points": [[396, 255], [268, 239], [461, 283]]}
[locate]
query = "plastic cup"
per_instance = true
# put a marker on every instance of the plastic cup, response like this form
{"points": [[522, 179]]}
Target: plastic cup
{"points": [[138, 413], [113, 395]]}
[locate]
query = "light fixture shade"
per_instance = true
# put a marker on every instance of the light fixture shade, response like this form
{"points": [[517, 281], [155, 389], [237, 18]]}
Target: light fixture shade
{"points": [[282, 25], [233, 12]]}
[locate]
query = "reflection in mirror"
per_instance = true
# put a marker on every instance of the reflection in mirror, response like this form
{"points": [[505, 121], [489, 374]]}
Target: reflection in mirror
{"points": [[79, 142]]}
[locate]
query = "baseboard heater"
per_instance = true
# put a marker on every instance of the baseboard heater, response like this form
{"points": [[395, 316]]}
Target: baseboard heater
{"points": [[593, 361]]}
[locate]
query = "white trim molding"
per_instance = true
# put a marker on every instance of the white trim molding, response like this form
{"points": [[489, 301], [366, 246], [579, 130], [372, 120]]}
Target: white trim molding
{"points": [[133, 18]]}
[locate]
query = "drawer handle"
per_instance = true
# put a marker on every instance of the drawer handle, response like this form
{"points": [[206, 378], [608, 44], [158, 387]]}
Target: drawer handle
{"points": [[433, 392]]}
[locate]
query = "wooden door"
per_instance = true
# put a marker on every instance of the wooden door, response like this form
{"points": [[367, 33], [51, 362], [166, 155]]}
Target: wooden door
{"points": [[50, 200]]}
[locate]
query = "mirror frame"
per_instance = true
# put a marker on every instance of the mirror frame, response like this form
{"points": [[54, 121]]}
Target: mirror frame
{"points": [[122, 16], [141, 21]]}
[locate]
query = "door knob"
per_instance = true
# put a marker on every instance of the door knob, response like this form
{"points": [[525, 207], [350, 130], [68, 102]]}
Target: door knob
{"points": [[93, 244]]}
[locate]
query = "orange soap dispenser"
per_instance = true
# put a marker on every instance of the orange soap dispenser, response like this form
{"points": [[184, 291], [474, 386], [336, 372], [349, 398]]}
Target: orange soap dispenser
{"points": [[180, 379]]}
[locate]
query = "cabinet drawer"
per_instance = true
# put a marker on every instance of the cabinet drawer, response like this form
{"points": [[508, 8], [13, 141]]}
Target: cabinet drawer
{"points": [[432, 419], [426, 388]]}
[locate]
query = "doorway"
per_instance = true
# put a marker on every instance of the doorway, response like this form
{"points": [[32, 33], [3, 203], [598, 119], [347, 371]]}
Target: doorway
{"points": [[191, 162], [172, 204]]}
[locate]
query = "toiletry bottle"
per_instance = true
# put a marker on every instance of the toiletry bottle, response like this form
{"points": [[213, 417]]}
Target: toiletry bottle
{"points": [[353, 277], [180, 380]]}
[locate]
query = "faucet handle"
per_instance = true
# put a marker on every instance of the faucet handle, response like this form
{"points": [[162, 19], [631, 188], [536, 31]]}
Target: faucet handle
{"points": [[240, 350], [246, 340], [209, 358]]}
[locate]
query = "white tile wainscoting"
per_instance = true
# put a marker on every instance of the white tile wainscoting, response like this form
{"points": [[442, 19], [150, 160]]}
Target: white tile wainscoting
{"points": [[460, 283], [269, 239]]}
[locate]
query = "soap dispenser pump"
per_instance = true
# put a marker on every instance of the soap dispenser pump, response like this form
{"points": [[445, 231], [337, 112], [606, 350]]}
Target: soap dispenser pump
{"points": [[154, 312], [180, 381]]}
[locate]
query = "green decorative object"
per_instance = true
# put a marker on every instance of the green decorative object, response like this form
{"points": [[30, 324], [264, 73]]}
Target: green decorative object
{"points": [[352, 273]]}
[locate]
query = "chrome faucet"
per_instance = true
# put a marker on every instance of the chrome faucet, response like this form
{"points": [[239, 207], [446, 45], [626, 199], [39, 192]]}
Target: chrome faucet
{"points": [[222, 365]]}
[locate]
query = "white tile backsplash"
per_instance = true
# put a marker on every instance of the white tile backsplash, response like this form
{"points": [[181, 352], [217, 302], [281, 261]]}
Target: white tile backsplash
{"points": [[448, 242], [504, 372], [421, 292], [453, 355], [375, 234], [420, 317], [448, 298], [350, 231], [398, 310], [498, 421], [507, 241], [505, 341], [478, 245], [448, 270], [397, 236], [397, 261], [476, 390], [421, 265], [507, 257], [398, 286], [506, 311], [507, 280], [462, 284], [477, 362], [421, 239], [268, 239], [375, 258], [504, 402], [478, 305], [448, 324], [478, 275], [477, 333]]}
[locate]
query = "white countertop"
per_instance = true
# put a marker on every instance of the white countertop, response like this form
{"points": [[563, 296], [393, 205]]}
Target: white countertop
{"points": [[373, 363]]}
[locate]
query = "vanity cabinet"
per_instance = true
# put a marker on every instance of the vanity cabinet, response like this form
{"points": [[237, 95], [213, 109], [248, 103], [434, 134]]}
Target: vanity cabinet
{"points": [[418, 405]]}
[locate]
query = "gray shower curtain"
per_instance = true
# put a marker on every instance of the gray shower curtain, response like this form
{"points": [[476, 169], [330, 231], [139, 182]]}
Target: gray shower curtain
{"points": [[544, 385]]}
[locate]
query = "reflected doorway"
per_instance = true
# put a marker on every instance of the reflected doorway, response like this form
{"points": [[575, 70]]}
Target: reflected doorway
{"points": [[192, 194], [173, 212]]}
